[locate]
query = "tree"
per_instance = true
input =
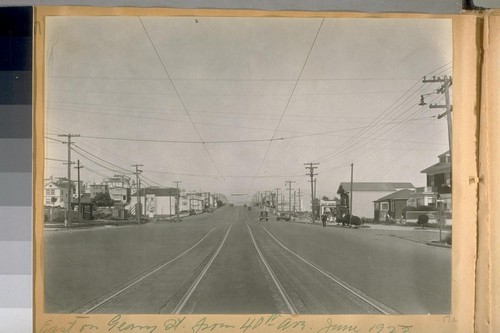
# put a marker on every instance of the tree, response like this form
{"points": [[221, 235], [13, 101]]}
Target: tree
{"points": [[103, 200], [325, 198]]}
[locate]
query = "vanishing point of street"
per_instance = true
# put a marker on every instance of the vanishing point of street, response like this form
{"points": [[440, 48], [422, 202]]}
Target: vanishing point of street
{"points": [[228, 262]]}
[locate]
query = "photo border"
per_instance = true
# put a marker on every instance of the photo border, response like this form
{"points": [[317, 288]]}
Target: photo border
{"points": [[466, 76]]}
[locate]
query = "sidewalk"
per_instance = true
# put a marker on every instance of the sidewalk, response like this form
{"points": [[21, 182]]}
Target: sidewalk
{"points": [[429, 236], [51, 225]]}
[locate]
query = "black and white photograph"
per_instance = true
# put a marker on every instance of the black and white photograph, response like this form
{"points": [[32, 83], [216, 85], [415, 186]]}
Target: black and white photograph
{"points": [[247, 165]]}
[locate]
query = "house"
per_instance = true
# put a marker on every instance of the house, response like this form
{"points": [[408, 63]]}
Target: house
{"points": [[196, 201], [119, 194], [392, 204], [422, 196], [56, 194], [118, 188], [365, 193], [156, 201], [97, 188], [439, 180], [117, 181]]}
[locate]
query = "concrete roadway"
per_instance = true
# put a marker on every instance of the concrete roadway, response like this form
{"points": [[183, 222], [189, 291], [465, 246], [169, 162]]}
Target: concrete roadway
{"points": [[229, 262]]}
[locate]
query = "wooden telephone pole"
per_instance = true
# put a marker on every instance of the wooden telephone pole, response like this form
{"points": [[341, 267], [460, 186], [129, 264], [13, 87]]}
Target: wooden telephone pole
{"points": [[67, 222], [311, 166]]}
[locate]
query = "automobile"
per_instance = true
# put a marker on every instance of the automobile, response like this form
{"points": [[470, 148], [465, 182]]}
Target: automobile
{"points": [[354, 221], [283, 216], [263, 216]]}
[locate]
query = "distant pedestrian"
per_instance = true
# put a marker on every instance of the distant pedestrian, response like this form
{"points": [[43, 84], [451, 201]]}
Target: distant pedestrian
{"points": [[323, 219]]}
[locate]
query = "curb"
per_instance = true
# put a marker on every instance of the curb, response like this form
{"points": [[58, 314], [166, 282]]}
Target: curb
{"points": [[439, 245]]}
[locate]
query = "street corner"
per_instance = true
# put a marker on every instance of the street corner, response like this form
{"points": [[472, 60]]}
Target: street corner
{"points": [[439, 244]]}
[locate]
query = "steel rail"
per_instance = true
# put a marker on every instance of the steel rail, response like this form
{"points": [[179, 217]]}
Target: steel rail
{"points": [[191, 289], [382, 308], [284, 295], [146, 275]]}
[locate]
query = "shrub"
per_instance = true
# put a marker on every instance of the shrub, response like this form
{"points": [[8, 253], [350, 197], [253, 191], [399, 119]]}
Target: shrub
{"points": [[423, 219], [419, 208], [367, 220]]}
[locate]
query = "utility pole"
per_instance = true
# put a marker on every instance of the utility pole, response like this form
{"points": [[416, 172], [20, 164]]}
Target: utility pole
{"points": [[315, 194], [311, 166], [137, 193], [78, 167], [350, 194], [145, 199], [70, 195], [277, 204], [445, 89], [300, 203], [178, 200], [294, 200], [289, 182]]}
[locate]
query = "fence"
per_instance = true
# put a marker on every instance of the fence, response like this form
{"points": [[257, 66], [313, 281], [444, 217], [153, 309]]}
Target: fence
{"points": [[412, 216]]}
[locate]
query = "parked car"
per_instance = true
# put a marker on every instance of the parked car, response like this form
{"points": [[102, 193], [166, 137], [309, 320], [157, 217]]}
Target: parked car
{"points": [[263, 216], [283, 216], [355, 220]]}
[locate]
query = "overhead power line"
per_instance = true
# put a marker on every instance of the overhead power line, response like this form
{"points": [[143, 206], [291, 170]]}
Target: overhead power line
{"points": [[83, 154], [252, 140], [291, 95], [101, 159], [54, 159], [154, 79], [178, 94]]}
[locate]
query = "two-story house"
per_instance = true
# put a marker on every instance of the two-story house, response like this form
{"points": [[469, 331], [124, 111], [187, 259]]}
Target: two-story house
{"points": [[118, 188], [56, 192], [438, 185]]}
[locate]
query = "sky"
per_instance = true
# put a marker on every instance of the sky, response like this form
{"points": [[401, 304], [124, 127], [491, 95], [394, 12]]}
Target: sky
{"points": [[238, 105]]}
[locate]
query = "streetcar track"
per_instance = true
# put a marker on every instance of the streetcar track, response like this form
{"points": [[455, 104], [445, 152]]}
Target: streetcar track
{"points": [[192, 288], [382, 308], [279, 286], [145, 275]]}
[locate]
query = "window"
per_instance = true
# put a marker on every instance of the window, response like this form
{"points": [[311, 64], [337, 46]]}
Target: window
{"points": [[52, 192], [47, 202], [384, 205], [447, 178], [47, 192]]}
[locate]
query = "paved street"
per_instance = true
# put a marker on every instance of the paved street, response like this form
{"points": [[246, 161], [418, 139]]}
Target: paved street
{"points": [[229, 262]]}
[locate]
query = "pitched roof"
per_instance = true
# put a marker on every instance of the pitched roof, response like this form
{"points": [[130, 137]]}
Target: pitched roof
{"points": [[437, 168], [445, 153], [374, 186], [401, 195]]}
